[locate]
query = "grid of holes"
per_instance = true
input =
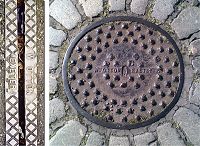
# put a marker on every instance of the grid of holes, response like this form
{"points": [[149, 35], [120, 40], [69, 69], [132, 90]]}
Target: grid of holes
{"points": [[96, 102]]}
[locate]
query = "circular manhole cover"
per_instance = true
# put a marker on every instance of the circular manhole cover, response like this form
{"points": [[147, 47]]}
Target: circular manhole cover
{"points": [[123, 72]]}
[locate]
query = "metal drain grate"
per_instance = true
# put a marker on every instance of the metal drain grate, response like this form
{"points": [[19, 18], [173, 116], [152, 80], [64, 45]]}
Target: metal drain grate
{"points": [[21, 73], [123, 72]]}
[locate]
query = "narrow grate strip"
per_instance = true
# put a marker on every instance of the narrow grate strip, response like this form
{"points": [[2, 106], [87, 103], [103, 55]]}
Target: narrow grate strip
{"points": [[11, 75]]}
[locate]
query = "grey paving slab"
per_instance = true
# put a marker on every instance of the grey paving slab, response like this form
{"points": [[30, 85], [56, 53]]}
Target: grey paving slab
{"points": [[168, 136], [69, 135], [118, 141], [115, 5], [53, 60], [195, 47], [187, 22], [65, 13], [95, 139], [92, 7], [53, 84], [139, 6], [189, 123], [163, 8], [56, 37], [196, 63], [144, 139], [56, 109]]}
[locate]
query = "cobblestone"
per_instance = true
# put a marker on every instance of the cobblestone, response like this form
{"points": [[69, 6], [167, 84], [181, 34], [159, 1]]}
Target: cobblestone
{"points": [[195, 36], [116, 5], [189, 123], [154, 144], [118, 141], [139, 6], [70, 135], [54, 49], [194, 96], [56, 37], [65, 13], [187, 22], [56, 109], [53, 85], [168, 136], [92, 7], [95, 139], [163, 8], [53, 59], [144, 139], [188, 78], [196, 63], [195, 47], [57, 125]]}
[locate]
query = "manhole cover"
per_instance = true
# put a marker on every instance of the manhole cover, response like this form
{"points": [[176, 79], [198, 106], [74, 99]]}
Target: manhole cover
{"points": [[123, 72]]}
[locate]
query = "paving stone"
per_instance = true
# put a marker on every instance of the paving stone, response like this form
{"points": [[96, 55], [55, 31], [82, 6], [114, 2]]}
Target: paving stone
{"points": [[138, 131], [54, 49], [163, 8], [65, 13], [50, 132], [188, 78], [196, 63], [189, 123], [116, 5], [53, 60], [57, 125], [53, 85], [92, 7], [195, 36], [168, 136], [144, 139], [154, 144], [192, 2], [56, 109], [118, 141], [195, 47], [194, 95], [139, 6], [187, 22], [194, 108], [56, 37], [70, 135], [95, 139]]}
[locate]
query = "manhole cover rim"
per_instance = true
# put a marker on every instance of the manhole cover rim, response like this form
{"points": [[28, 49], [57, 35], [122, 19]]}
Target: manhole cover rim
{"points": [[103, 123]]}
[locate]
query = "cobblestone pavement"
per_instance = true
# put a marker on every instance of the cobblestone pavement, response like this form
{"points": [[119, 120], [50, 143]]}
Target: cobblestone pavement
{"points": [[181, 126]]}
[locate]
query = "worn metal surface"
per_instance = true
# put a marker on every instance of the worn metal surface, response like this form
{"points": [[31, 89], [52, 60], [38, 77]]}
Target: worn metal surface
{"points": [[123, 72]]}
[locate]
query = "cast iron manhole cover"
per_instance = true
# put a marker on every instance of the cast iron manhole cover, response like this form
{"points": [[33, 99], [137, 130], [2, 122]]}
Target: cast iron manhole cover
{"points": [[123, 72]]}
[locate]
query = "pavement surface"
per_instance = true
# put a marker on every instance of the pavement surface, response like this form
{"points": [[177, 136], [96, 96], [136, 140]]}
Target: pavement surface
{"points": [[181, 126]]}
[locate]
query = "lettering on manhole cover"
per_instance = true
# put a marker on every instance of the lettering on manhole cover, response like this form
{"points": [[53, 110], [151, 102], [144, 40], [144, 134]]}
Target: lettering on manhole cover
{"points": [[123, 72]]}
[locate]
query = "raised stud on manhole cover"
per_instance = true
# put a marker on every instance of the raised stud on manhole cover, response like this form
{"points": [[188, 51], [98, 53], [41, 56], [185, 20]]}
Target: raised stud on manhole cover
{"points": [[123, 72]]}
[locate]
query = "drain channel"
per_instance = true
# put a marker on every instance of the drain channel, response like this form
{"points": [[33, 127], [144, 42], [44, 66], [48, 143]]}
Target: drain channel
{"points": [[123, 72], [21, 73], [21, 64]]}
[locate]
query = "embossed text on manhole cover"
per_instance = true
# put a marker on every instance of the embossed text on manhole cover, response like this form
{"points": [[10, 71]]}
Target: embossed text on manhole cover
{"points": [[123, 72]]}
